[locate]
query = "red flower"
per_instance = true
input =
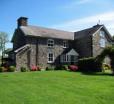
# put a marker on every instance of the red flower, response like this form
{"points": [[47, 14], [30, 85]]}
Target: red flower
{"points": [[34, 68], [73, 67]]}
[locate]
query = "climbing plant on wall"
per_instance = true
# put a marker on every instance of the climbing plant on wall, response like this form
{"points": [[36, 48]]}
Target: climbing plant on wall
{"points": [[108, 51]]}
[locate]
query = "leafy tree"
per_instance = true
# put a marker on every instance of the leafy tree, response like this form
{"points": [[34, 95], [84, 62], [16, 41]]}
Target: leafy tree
{"points": [[113, 37], [3, 41]]}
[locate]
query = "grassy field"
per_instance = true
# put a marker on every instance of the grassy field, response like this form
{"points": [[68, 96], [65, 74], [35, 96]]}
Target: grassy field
{"points": [[56, 87]]}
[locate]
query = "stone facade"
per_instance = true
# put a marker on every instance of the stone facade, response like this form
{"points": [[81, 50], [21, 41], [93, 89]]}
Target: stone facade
{"points": [[35, 51], [97, 49], [38, 51]]}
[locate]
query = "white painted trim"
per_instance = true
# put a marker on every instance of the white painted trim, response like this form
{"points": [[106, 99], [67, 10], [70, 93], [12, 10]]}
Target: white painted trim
{"points": [[48, 57], [50, 40], [97, 31], [21, 48]]}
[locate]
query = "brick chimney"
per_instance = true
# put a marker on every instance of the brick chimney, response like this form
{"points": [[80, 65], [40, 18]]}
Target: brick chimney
{"points": [[22, 21]]}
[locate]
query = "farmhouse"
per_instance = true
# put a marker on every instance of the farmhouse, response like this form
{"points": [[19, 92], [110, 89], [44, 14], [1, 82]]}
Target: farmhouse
{"points": [[34, 45]]}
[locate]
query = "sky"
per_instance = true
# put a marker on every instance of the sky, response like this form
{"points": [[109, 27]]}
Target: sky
{"points": [[69, 15]]}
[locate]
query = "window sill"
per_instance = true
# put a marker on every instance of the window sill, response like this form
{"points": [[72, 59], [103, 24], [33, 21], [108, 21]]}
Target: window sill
{"points": [[65, 47], [50, 62]]}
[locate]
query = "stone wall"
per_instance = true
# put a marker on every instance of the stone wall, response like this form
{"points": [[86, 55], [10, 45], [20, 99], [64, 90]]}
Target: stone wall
{"points": [[43, 51], [22, 59], [97, 49], [38, 52], [19, 39]]}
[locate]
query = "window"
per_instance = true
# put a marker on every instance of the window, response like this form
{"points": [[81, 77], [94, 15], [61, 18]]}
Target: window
{"points": [[102, 42], [65, 44], [50, 57], [50, 42], [64, 58], [102, 34]]}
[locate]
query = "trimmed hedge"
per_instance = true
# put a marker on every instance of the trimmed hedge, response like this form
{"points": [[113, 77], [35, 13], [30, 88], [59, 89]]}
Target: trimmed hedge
{"points": [[89, 65]]}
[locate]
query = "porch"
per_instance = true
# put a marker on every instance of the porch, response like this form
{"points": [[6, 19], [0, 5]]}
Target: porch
{"points": [[71, 57]]}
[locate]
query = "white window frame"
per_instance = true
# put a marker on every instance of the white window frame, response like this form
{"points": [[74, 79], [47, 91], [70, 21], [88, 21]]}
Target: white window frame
{"points": [[102, 42], [65, 44], [48, 57], [64, 58], [50, 43]]}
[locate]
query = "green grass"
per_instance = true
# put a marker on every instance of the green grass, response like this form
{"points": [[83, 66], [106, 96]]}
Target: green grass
{"points": [[56, 87]]}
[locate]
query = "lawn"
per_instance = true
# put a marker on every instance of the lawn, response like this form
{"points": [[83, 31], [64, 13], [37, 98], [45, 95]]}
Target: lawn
{"points": [[56, 87]]}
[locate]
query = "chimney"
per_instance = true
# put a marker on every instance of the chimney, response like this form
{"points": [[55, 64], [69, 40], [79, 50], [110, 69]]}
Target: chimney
{"points": [[22, 21]]}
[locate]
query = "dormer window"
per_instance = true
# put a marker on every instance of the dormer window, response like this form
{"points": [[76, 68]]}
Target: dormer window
{"points": [[65, 44], [102, 34], [50, 42]]}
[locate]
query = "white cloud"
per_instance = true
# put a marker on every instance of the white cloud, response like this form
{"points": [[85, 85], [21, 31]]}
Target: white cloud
{"points": [[105, 18]]}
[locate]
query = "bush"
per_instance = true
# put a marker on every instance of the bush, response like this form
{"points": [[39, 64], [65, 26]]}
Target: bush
{"points": [[49, 68], [38, 68], [23, 69], [73, 67], [90, 65], [2, 69], [106, 67], [11, 68], [61, 67], [35, 68]]}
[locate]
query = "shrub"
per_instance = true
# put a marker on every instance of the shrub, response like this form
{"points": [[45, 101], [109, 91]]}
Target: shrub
{"points": [[49, 68], [65, 67], [35, 68], [73, 67], [106, 66], [38, 68], [61, 67], [11, 69], [1, 69], [23, 69], [90, 65]]}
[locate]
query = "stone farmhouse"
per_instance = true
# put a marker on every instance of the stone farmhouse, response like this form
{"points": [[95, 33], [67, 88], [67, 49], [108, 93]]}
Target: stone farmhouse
{"points": [[34, 45]]}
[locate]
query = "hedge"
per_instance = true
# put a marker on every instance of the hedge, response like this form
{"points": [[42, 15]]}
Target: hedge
{"points": [[89, 65]]}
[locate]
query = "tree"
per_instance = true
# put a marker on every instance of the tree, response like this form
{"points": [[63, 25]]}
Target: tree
{"points": [[113, 37], [3, 41]]}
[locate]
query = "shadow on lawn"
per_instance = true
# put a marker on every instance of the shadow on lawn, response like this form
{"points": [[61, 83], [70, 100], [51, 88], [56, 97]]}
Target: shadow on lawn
{"points": [[97, 73]]}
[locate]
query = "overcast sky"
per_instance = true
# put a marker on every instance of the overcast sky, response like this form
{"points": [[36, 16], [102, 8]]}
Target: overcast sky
{"points": [[70, 15]]}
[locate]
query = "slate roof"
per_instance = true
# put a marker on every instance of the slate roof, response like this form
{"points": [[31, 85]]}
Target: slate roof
{"points": [[46, 32], [87, 32], [60, 34]]}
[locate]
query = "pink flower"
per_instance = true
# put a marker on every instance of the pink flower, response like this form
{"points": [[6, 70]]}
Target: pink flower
{"points": [[73, 67]]}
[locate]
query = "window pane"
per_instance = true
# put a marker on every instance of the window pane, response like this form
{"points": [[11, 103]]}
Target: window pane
{"points": [[50, 57], [65, 44], [102, 34], [102, 42], [50, 42]]}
